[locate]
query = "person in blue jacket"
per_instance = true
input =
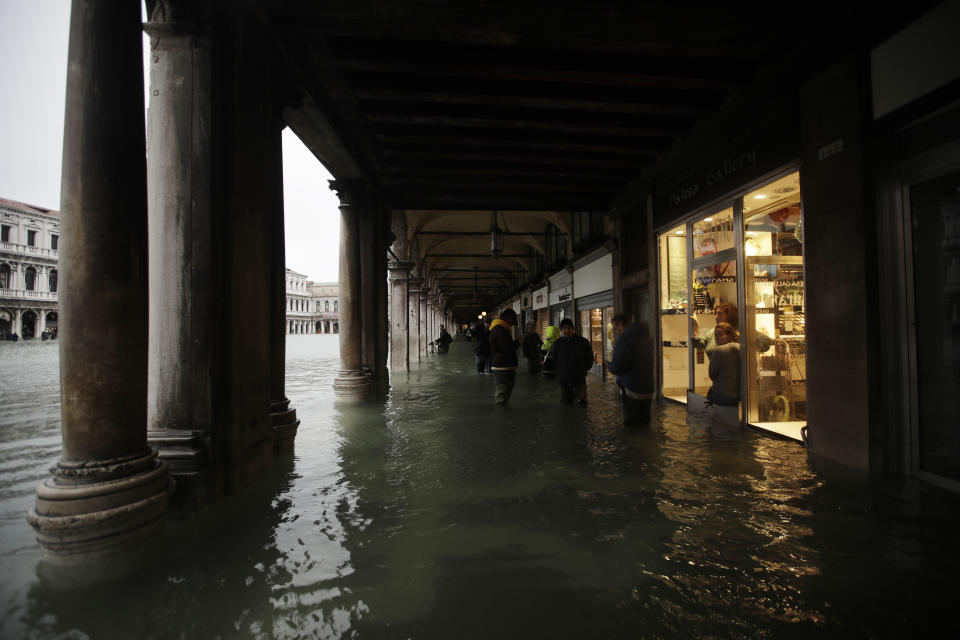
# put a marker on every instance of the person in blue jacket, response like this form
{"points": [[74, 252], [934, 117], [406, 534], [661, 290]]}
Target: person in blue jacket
{"points": [[632, 363]]}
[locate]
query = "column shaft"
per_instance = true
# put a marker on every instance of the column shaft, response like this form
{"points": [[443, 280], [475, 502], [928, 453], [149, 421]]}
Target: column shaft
{"points": [[380, 318], [400, 316], [181, 305], [108, 489], [351, 384], [283, 417]]}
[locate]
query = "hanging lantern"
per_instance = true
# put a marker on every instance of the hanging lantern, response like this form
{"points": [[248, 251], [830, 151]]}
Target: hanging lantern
{"points": [[496, 236]]}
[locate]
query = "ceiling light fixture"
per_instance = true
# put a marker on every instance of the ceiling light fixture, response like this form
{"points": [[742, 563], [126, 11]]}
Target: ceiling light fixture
{"points": [[759, 196], [708, 219]]}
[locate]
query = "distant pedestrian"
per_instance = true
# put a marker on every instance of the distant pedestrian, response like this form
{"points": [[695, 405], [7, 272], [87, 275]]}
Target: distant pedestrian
{"points": [[503, 355], [443, 342], [481, 347], [531, 348], [574, 360], [632, 363]]}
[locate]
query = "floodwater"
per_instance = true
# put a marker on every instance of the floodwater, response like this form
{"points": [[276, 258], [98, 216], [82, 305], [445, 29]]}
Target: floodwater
{"points": [[438, 515]]}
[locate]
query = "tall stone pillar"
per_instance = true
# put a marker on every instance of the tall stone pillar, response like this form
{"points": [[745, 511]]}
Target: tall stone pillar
{"points": [[109, 489], [283, 417], [424, 320], [181, 300], [399, 316], [381, 320], [413, 306], [368, 287], [351, 383]]}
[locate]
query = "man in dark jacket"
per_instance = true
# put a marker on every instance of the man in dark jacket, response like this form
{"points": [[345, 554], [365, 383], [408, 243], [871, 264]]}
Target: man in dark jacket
{"points": [[503, 355], [574, 360], [632, 363], [531, 348], [443, 342]]}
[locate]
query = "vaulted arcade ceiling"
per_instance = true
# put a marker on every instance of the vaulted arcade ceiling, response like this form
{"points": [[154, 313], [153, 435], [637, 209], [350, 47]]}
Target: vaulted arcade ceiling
{"points": [[529, 105]]}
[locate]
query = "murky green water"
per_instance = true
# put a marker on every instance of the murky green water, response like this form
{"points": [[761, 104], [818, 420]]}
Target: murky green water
{"points": [[440, 515]]}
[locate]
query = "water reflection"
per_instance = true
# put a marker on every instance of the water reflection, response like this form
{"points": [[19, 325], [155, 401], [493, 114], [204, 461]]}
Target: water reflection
{"points": [[436, 514]]}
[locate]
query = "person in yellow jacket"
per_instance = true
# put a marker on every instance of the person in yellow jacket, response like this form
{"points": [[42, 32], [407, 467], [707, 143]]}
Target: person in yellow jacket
{"points": [[503, 355]]}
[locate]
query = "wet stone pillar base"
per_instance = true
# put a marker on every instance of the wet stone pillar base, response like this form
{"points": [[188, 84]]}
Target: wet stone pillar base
{"points": [[87, 511], [285, 424]]}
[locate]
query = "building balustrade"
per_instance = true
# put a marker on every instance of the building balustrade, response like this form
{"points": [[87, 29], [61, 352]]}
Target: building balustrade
{"points": [[25, 294], [26, 249]]}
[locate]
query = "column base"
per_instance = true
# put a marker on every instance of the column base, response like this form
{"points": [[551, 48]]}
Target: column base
{"points": [[184, 450], [352, 386], [87, 512], [285, 424]]}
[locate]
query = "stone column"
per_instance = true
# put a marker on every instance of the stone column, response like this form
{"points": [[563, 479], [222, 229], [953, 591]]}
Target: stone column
{"points": [[424, 320], [181, 299], [400, 316], [282, 415], [413, 306], [351, 384], [380, 318], [109, 489], [369, 236]]}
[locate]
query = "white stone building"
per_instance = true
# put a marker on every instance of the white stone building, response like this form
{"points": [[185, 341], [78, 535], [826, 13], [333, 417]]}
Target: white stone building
{"points": [[29, 242], [299, 314], [325, 298]]}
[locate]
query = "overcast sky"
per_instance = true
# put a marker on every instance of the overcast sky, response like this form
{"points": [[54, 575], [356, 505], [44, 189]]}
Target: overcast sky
{"points": [[33, 65]]}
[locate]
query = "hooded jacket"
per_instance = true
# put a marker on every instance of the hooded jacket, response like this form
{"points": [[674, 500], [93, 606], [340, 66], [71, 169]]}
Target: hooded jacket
{"points": [[503, 348], [553, 334]]}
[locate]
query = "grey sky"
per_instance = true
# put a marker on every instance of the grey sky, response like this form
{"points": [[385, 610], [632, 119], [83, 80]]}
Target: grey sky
{"points": [[33, 65]]}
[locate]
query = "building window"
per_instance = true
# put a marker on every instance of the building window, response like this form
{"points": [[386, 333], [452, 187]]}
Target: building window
{"points": [[5, 275], [326, 306], [54, 241], [31, 238], [4, 233], [335, 305], [52, 279], [30, 279]]}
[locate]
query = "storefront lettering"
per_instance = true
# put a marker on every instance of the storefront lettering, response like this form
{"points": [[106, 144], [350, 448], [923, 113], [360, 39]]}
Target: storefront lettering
{"points": [[539, 298], [564, 297], [714, 176]]}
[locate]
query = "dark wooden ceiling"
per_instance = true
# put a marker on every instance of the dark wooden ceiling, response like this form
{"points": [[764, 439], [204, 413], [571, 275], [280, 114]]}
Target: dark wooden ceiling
{"points": [[512, 104]]}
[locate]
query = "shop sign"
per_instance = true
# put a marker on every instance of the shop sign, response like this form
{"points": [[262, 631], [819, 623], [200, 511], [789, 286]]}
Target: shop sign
{"points": [[560, 296], [540, 298], [594, 277], [717, 174]]}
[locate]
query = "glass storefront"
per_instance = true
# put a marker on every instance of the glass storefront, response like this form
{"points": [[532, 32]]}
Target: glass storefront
{"points": [[775, 344], [675, 371], [749, 257], [596, 325]]}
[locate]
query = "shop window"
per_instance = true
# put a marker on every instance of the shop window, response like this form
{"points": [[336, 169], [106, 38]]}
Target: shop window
{"points": [[673, 314], [54, 241], [713, 234], [775, 319], [714, 300]]}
